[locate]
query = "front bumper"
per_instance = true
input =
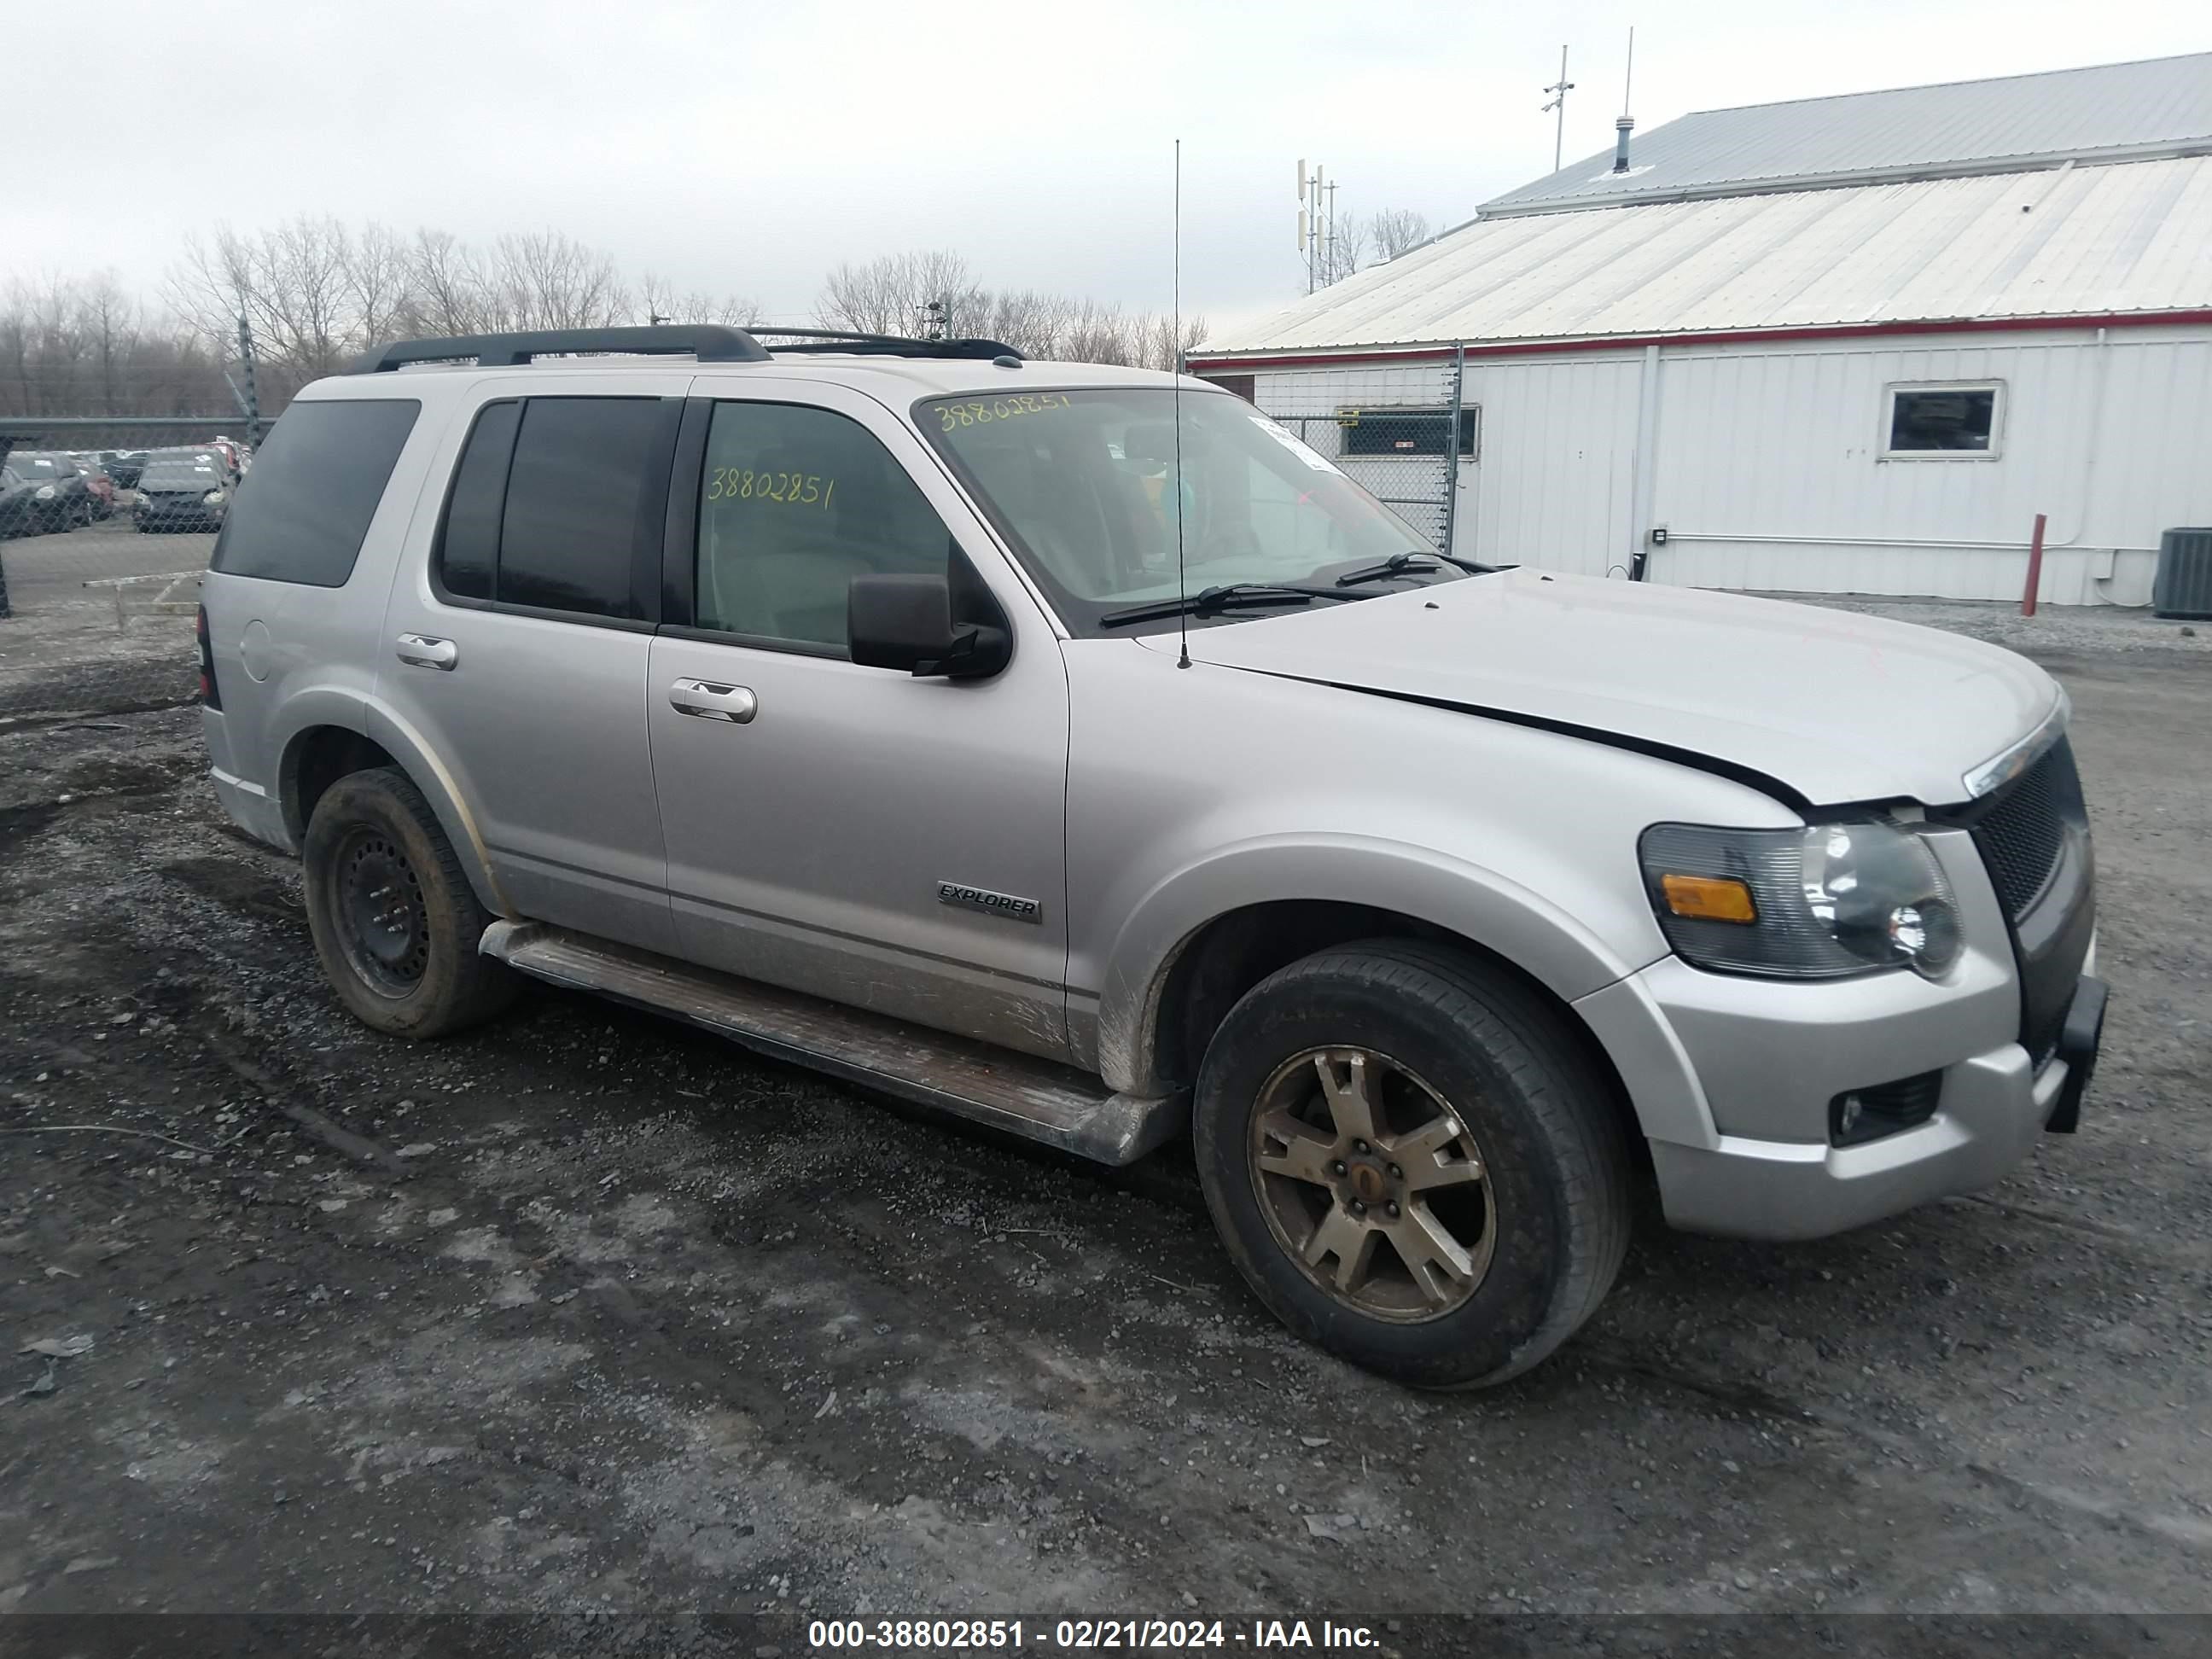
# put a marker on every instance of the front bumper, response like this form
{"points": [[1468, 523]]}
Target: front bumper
{"points": [[1993, 1107], [1733, 1077]]}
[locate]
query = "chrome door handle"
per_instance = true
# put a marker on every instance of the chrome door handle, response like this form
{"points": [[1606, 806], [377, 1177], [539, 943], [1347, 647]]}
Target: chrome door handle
{"points": [[710, 702], [427, 651]]}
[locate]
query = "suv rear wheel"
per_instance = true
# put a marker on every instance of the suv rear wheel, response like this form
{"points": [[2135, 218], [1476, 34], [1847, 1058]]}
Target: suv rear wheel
{"points": [[394, 919], [1413, 1161]]}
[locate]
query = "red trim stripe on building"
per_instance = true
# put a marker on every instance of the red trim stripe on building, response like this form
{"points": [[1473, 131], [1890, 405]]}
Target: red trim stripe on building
{"points": [[1201, 364]]}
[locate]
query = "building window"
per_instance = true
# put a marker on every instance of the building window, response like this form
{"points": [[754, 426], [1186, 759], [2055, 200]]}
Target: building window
{"points": [[1243, 385], [1405, 431], [1959, 421]]}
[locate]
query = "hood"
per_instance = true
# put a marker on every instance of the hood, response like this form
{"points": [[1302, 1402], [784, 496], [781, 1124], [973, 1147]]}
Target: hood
{"points": [[1834, 707]]}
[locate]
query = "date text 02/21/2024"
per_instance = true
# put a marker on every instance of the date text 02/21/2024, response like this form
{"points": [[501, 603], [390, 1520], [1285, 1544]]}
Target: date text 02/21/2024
{"points": [[1086, 1634]]}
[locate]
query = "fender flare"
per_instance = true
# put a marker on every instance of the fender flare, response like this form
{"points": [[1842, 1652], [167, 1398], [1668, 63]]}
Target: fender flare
{"points": [[350, 711], [1499, 914]]}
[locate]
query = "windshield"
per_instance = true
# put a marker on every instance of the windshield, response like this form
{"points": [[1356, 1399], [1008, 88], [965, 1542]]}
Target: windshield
{"points": [[34, 466], [182, 472], [1084, 484]]}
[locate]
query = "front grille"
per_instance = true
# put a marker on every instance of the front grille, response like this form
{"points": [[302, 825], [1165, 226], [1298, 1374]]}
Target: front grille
{"points": [[2022, 835], [2033, 837]]}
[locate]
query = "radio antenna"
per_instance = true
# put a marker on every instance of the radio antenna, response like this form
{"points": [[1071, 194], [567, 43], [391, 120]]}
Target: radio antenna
{"points": [[1183, 586]]}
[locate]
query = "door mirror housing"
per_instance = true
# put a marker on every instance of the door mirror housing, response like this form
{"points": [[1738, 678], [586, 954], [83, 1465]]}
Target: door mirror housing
{"points": [[914, 623]]}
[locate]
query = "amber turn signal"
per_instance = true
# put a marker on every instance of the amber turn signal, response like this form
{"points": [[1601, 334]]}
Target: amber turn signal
{"points": [[1708, 898]]}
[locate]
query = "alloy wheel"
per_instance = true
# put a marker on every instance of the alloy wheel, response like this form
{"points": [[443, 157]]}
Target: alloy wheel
{"points": [[1372, 1182]]}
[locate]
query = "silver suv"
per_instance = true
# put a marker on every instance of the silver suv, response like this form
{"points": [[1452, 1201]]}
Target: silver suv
{"points": [[1072, 749]]}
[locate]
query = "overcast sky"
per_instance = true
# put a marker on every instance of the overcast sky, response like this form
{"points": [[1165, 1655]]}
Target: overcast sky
{"points": [[749, 149]]}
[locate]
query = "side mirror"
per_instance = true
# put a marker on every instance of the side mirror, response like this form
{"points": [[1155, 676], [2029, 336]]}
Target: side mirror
{"points": [[907, 622]]}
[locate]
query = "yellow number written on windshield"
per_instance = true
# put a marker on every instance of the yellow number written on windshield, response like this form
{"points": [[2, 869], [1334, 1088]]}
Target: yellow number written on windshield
{"points": [[983, 411]]}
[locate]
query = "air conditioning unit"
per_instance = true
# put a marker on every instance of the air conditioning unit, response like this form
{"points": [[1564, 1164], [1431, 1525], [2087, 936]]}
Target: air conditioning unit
{"points": [[2183, 586]]}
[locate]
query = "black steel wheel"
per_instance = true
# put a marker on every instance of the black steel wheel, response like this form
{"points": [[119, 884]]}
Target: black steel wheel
{"points": [[395, 920], [379, 909]]}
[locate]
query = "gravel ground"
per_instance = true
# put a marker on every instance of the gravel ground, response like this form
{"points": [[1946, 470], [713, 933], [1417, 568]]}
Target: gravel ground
{"points": [[587, 1311]]}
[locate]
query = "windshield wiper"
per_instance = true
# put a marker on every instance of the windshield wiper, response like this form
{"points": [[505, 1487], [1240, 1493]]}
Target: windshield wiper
{"points": [[1233, 596], [1403, 564]]}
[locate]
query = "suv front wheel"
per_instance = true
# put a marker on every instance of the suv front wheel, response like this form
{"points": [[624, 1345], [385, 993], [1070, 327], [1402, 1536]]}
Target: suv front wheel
{"points": [[1413, 1161], [394, 919]]}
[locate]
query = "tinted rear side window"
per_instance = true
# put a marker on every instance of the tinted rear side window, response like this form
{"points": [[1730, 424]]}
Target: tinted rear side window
{"points": [[468, 546], [302, 513], [585, 472]]}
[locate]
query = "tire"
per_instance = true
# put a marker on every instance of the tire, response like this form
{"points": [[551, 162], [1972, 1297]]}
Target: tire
{"points": [[1533, 1191], [394, 919]]}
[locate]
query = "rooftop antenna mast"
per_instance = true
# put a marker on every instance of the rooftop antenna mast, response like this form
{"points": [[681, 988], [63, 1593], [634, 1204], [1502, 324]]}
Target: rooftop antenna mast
{"points": [[1559, 92]]}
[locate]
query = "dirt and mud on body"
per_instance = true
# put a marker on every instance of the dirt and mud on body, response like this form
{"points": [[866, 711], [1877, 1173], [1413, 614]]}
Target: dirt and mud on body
{"points": [[587, 1312]]}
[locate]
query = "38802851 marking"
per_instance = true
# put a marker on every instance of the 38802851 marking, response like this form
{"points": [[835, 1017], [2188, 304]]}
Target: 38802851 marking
{"points": [[731, 483], [1066, 1634], [920, 1634], [982, 412]]}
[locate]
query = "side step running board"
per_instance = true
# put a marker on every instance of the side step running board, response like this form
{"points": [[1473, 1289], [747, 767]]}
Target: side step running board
{"points": [[1031, 1098]]}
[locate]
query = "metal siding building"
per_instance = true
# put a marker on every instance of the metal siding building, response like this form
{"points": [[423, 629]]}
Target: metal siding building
{"points": [[1721, 360]]}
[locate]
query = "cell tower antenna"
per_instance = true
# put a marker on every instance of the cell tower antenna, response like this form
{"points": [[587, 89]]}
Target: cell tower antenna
{"points": [[1559, 92]]}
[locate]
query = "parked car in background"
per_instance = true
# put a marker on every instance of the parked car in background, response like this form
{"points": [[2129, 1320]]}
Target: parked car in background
{"points": [[60, 499], [16, 516], [124, 465], [99, 490], [183, 490]]}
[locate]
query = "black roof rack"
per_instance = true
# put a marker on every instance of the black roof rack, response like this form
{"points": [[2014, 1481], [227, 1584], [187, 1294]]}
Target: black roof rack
{"points": [[710, 343], [883, 345]]}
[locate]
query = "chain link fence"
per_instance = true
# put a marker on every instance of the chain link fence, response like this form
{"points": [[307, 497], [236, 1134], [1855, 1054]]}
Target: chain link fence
{"points": [[101, 553], [1391, 430]]}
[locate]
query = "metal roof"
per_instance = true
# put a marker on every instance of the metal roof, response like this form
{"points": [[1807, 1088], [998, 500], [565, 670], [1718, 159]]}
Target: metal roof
{"points": [[2065, 241], [2158, 106]]}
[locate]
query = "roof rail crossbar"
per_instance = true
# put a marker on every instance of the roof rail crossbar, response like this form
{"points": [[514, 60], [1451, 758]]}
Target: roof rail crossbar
{"points": [[710, 343], [881, 345]]}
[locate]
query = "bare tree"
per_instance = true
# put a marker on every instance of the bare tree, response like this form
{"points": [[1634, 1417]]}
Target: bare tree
{"points": [[913, 295], [446, 287], [53, 342], [1160, 345], [895, 293], [290, 284], [545, 279], [85, 347], [108, 319], [1394, 231], [379, 283], [314, 292], [1344, 252], [658, 301]]}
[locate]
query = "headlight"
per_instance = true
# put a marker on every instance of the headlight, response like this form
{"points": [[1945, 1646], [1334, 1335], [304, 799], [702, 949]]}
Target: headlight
{"points": [[46, 493], [1818, 903], [213, 498]]}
